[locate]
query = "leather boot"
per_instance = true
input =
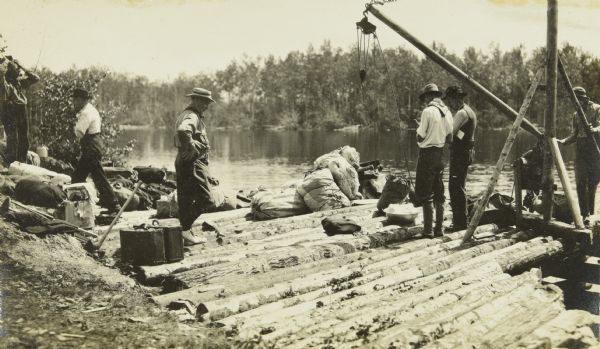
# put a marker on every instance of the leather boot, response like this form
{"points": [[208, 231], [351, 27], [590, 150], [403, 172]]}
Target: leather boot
{"points": [[428, 219], [189, 238], [439, 219]]}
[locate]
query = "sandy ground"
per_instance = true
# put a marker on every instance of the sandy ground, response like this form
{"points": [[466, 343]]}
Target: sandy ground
{"points": [[54, 295]]}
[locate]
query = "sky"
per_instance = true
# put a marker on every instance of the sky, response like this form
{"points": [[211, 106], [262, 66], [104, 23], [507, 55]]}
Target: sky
{"points": [[162, 39]]}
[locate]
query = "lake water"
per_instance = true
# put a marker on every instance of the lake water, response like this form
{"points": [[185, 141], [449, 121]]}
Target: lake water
{"points": [[245, 159]]}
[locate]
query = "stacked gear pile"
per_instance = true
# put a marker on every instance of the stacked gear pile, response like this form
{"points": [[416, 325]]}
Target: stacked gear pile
{"points": [[332, 184]]}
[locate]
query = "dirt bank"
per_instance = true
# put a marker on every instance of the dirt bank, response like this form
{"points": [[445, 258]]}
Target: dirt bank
{"points": [[53, 295]]}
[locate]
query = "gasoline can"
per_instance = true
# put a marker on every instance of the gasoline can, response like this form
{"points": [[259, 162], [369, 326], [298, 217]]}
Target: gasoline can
{"points": [[144, 246], [173, 241]]}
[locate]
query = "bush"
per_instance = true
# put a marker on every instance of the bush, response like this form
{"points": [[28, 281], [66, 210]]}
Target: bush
{"points": [[53, 117]]}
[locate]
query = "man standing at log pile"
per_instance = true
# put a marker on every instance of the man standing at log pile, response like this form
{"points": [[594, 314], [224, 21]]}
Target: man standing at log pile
{"points": [[461, 153], [587, 164], [13, 109], [87, 130], [194, 183], [434, 131]]}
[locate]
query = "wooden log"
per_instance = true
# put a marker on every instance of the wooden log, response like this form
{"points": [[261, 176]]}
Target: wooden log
{"points": [[555, 228], [572, 327], [240, 284], [505, 325], [257, 231], [368, 306], [394, 316], [550, 114], [566, 184], [261, 264], [516, 261], [396, 276], [512, 135], [304, 220], [268, 315], [470, 312], [454, 70], [518, 167], [338, 278], [306, 331], [237, 252]]}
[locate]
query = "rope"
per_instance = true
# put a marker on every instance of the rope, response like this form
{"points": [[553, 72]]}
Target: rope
{"points": [[387, 70]]}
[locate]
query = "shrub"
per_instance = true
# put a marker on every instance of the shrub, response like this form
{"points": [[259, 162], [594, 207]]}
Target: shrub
{"points": [[53, 117]]}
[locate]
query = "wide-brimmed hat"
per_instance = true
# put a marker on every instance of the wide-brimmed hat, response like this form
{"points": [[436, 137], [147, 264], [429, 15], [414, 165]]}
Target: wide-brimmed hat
{"points": [[430, 88], [454, 92], [81, 93], [202, 93], [580, 92]]}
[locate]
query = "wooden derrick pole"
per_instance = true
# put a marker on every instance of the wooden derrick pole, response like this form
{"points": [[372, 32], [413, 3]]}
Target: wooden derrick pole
{"points": [[564, 179], [518, 172], [512, 135], [550, 115], [454, 70]]}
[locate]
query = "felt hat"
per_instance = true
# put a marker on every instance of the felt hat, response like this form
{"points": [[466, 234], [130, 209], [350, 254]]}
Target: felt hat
{"points": [[81, 93], [430, 88], [580, 92], [202, 93], [454, 92]]}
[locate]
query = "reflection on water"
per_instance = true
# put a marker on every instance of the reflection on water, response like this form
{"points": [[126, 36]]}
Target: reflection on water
{"points": [[243, 159]]}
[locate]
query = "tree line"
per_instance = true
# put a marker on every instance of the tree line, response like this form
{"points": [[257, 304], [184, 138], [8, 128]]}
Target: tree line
{"points": [[314, 88], [321, 88]]}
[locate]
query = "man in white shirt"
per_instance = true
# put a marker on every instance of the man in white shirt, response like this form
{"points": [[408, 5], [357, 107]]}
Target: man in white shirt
{"points": [[434, 131], [87, 130]]}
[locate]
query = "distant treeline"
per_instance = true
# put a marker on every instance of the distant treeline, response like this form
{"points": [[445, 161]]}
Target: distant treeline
{"points": [[321, 88]]}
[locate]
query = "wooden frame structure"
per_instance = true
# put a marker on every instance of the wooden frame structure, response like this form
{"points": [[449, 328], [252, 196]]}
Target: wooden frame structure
{"points": [[551, 152]]}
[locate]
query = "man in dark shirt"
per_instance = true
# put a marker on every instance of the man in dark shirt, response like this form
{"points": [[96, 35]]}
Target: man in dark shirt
{"points": [[461, 153], [194, 195], [13, 109], [587, 163]]}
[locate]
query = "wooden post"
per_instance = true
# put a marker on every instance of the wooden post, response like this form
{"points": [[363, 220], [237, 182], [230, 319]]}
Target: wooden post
{"points": [[580, 112], [550, 116], [518, 167], [454, 70], [512, 135], [564, 179]]}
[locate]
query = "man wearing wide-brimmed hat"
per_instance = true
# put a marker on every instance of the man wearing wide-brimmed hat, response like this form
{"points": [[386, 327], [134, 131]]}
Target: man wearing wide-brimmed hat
{"points": [[434, 131], [587, 164], [461, 153], [194, 183], [87, 129]]}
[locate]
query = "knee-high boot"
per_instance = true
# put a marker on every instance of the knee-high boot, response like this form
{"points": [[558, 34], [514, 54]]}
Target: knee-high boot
{"points": [[428, 219], [439, 219]]}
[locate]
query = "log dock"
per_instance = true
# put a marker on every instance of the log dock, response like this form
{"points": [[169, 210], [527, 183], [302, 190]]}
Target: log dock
{"points": [[284, 283]]}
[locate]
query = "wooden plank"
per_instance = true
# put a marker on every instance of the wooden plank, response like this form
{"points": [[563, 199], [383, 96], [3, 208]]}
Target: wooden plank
{"points": [[566, 184], [503, 156]]}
